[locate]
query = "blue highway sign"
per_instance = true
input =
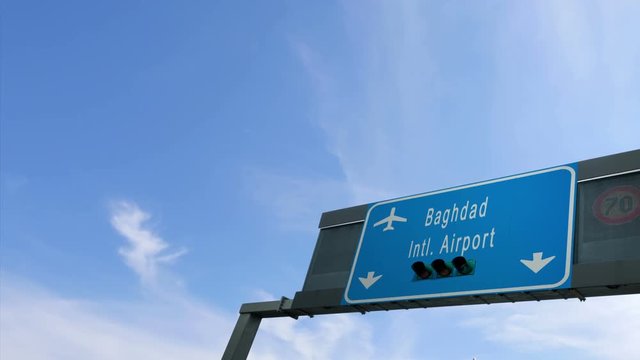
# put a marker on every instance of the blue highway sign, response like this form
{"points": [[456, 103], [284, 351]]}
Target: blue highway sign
{"points": [[502, 235]]}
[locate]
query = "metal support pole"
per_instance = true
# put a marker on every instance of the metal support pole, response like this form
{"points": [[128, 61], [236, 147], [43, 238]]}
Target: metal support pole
{"points": [[242, 337]]}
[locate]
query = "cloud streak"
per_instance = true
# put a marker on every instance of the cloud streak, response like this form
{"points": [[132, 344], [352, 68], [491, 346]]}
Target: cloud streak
{"points": [[590, 328], [435, 96], [37, 324], [145, 250], [295, 202]]}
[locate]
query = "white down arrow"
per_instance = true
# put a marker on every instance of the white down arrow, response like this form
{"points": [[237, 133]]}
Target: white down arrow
{"points": [[369, 280], [537, 262]]}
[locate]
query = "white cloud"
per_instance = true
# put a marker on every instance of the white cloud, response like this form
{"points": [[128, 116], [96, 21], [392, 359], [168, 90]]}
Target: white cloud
{"points": [[382, 115], [146, 249], [341, 336], [175, 325], [603, 328], [436, 96], [430, 100], [37, 325], [324, 337]]}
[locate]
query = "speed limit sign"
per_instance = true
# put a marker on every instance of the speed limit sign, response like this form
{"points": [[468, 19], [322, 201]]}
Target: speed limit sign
{"points": [[618, 205]]}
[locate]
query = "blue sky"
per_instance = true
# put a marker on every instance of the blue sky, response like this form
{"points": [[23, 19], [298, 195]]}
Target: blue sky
{"points": [[164, 162]]}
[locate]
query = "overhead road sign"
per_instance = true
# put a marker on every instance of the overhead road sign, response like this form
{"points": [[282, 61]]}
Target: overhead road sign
{"points": [[516, 238], [502, 235]]}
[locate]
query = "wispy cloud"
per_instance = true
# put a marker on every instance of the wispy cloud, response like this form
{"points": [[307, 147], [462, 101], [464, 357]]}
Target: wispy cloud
{"points": [[603, 328], [70, 328], [167, 325], [383, 115], [335, 337], [146, 250], [295, 203], [37, 324], [436, 95]]}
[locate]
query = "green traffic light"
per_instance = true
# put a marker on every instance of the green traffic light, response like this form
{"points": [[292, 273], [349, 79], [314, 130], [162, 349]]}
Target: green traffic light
{"points": [[463, 266]]}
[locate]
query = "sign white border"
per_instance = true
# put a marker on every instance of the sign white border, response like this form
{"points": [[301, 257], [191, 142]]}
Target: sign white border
{"points": [[567, 271]]}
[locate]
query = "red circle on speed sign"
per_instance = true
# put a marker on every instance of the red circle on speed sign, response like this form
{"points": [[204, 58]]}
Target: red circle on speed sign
{"points": [[618, 205]]}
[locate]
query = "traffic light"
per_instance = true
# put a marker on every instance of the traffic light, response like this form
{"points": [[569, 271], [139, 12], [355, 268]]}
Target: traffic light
{"points": [[421, 270], [439, 268], [462, 266]]}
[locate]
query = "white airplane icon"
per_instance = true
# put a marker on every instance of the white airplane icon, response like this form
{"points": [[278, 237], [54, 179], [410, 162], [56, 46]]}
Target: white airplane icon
{"points": [[390, 219]]}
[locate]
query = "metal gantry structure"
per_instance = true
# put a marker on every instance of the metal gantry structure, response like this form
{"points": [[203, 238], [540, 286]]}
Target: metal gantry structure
{"points": [[605, 256]]}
